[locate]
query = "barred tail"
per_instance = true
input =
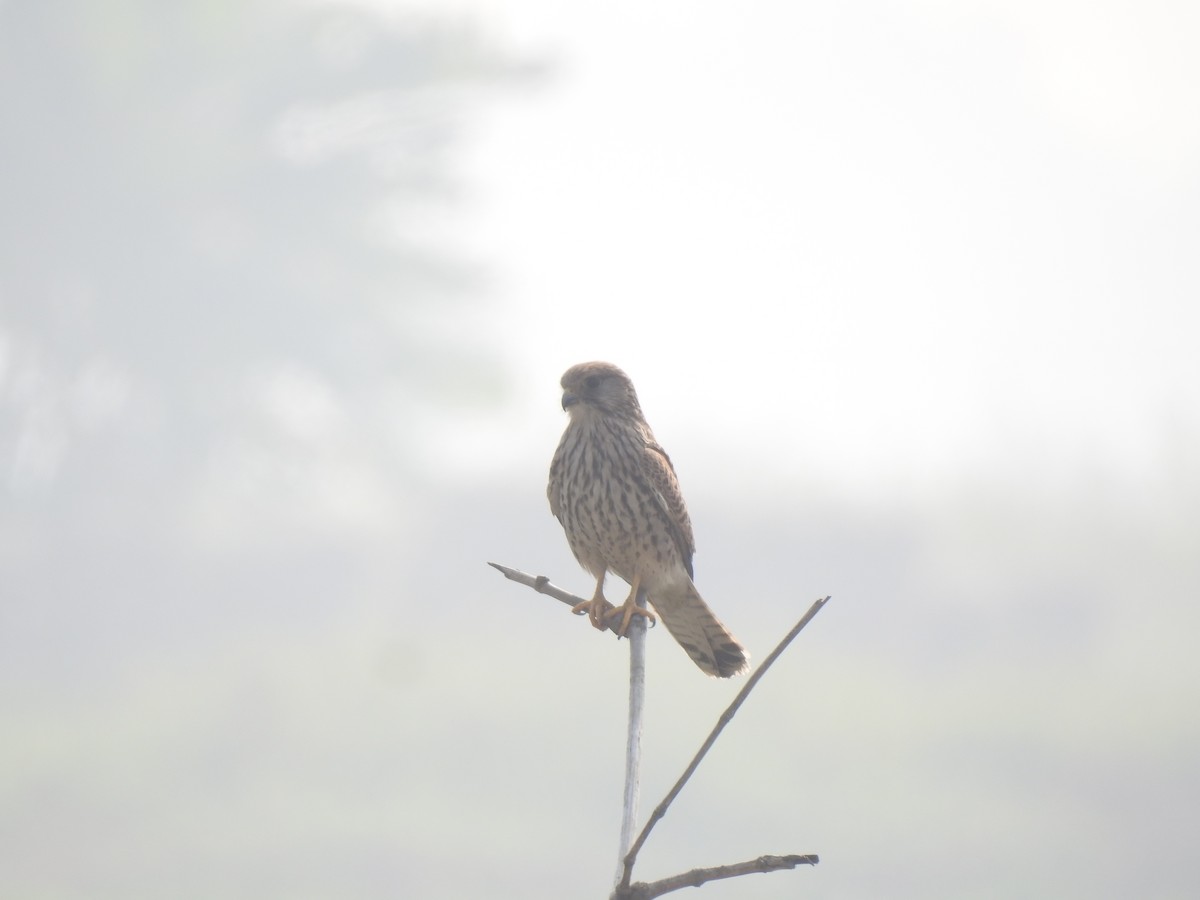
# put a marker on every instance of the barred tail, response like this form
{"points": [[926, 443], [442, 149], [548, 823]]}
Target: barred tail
{"points": [[709, 643]]}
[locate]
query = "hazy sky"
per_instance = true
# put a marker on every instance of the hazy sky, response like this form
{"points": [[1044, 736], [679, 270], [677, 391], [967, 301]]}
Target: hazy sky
{"points": [[908, 291], [965, 228]]}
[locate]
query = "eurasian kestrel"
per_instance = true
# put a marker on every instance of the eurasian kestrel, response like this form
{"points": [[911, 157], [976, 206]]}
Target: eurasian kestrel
{"points": [[614, 490]]}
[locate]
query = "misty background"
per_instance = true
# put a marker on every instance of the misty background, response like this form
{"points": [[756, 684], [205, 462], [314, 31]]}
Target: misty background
{"points": [[909, 294]]}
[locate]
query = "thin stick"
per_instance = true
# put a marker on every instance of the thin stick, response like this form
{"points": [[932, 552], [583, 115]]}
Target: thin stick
{"points": [[542, 585], [637, 662], [539, 583], [725, 718], [633, 737], [637, 701], [647, 890]]}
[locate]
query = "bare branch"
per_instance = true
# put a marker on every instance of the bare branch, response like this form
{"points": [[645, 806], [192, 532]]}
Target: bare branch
{"points": [[539, 583], [633, 737], [542, 585], [725, 718], [696, 877], [637, 700], [646, 890]]}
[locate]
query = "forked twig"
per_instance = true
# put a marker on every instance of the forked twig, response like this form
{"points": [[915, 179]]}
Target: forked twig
{"points": [[696, 877], [725, 718]]}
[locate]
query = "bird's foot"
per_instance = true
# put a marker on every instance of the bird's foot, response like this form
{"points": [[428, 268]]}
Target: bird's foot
{"points": [[597, 610], [627, 611]]}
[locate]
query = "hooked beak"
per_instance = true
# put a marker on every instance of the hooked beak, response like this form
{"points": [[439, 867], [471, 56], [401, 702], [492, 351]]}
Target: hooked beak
{"points": [[569, 399]]}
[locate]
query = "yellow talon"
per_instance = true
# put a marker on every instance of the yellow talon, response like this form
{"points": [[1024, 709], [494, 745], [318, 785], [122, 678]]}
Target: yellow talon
{"points": [[597, 609]]}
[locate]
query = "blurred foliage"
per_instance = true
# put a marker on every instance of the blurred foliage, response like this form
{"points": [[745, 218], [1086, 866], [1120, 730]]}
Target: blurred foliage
{"points": [[201, 194]]}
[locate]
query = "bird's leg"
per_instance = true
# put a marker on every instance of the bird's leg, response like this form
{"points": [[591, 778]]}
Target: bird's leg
{"points": [[630, 608], [597, 608]]}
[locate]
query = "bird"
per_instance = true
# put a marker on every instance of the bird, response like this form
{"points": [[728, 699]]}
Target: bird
{"points": [[614, 490]]}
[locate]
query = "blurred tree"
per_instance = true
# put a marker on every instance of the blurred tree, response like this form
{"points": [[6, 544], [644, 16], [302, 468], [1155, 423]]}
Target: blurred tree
{"points": [[218, 243]]}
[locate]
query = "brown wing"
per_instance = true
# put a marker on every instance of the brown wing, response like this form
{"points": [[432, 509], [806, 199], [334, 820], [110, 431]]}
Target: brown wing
{"points": [[661, 476]]}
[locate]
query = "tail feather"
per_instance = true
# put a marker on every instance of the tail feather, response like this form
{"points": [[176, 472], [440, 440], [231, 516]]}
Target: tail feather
{"points": [[708, 642]]}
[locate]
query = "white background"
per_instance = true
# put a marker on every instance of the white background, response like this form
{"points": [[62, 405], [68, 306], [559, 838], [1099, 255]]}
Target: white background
{"points": [[908, 291]]}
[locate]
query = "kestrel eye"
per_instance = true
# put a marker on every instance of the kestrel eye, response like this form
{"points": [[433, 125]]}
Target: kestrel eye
{"points": [[591, 381]]}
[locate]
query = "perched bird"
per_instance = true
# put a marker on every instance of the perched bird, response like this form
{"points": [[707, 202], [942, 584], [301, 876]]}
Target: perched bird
{"points": [[614, 490]]}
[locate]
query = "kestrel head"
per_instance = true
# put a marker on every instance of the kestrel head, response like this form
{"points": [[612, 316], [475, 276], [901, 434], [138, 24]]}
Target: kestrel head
{"points": [[599, 386]]}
